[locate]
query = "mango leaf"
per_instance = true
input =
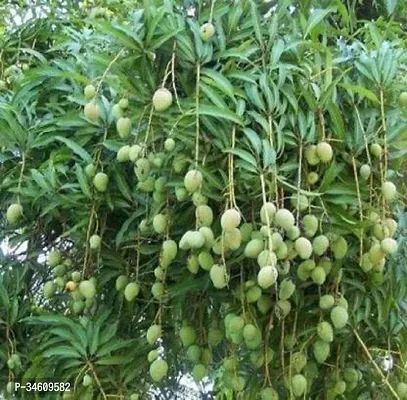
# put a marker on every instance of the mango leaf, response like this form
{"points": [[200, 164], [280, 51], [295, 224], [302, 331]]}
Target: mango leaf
{"points": [[361, 91], [76, 148], [220, 113], [316, 17]]}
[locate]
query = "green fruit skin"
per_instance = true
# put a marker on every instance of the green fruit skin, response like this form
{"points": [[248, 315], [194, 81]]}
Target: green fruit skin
{"points": [[199, 372], [311, 155], [365, 172], [253, 248], [54, 258], [153, 333], [160, 223], [321, 351], [303, 247], [340, 248], [92, 111], [267, 212], [90, 171], [403, 99], [218, 276], [158, 370], [318, 275], [324, 152], [310, 224], [267, 276], [49, 289], [117, 111], [131, 290], [284, 219], [123, 103], [402, 390], [325, 331], [193, 181], [230, 220], [320, 244], [205, 260], [264, 304], [152, 355], [215, 337], [284, 306], [87, 289], [169, 145], [162, 99], [269, 394], [101, 181], [78, 306], [187, 335], [123, 154], [194, 353], [14, 213], [95, 242], [287, 288], [123, 126], [253, 294], [298, 385], [89, 92], [389, 191], [10, 387], [181, 194], [312, 178], [207, 31], [339, 317], [326, 302], [157, 290], [87, 380], [376, 150], [204, 215]]}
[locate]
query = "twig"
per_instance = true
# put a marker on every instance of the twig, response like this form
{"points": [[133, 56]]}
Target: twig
{"points": [[355, 172], [387, 383], [20, 178], [108, 68], [198, 76]]}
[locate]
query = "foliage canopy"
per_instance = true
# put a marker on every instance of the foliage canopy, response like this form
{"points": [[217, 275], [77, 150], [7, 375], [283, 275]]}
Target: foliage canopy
{"points": [[205, 188]]}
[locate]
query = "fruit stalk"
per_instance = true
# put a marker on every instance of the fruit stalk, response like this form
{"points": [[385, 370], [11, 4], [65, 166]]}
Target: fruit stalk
{"points": [[355, 172], [108, 69], [386, 382], [20, 178], [275, 165], [198, 76], [384, 129], [102, 392], [299, 179], [173, 76]]}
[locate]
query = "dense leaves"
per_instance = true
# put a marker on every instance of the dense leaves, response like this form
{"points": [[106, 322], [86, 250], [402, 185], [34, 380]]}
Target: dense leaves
{"points": [[205, 189]]}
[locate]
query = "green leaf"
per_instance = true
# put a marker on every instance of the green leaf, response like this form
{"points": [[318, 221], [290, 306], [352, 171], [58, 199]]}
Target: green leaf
{"points": [[316, 17], [83, 181], [5, 302], [116, 360], [269, 154], [113, 346], [122, 184], [256, 23], [391, 6], [254, 139], [361, 91], [218, 80], [61, 351], [78, 150], [220, 113], [244, 155]]}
